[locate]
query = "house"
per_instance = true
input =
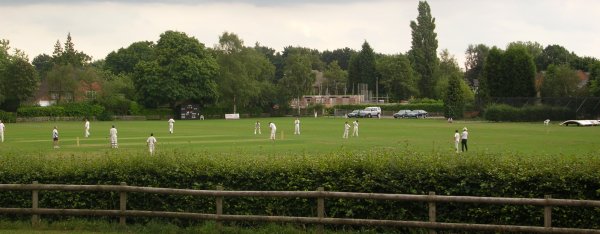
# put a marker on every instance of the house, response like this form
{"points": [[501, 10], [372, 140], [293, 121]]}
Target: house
{"points": [[48, 95]]}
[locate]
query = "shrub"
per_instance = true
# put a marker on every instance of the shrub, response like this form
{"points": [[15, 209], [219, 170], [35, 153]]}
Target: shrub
{"points": [[7, 117], [39, 111], [494, 175], [503, 112], [70, 109]]}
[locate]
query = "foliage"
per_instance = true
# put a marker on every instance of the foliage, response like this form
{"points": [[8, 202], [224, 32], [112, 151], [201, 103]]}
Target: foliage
{"points": [[454, 103], [475, 59], [560, 81], [7, 117], [342, 56], [362, 67], [245, 76], [125, 59], [182, 70], [594, 82], [503, 112], [298, 76], [397, 77], [336, 79], [509, 74], [69, 109], [423, 53], [553, 54], [68, 55], [404, 172]]}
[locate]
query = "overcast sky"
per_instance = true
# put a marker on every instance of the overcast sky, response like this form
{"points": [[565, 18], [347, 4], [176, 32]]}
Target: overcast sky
{"points": [[99, 27]]}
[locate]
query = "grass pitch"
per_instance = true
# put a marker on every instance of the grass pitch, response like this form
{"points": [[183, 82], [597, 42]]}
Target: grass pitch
{"points": [[318, 135]]}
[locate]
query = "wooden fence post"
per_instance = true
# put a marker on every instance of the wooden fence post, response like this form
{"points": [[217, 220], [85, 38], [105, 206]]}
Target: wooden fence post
{"points": [[547, 213], [122, 205], [320, 210], [219, 209], [35, 219], [432, 212]]}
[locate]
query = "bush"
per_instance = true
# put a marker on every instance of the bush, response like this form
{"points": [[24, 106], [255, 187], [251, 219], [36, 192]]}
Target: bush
{"points": [[493, 175], [7, 117], [70, 110], [503, 112]]}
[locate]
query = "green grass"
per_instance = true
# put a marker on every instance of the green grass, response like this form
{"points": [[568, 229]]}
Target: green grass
{"points": [[320, 135]]}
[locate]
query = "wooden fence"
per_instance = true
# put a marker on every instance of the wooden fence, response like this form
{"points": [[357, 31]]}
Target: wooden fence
{"points": [[432, 199]]}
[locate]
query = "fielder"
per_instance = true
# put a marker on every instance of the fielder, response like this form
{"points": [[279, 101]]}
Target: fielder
{"points": [[456, 140], [346, 129], [55, 138], [87, 127], [171, 123], [273, 130], [151, 142], [113, 138], [297, 127], [257, 128], [355, 128], [1, 131]]}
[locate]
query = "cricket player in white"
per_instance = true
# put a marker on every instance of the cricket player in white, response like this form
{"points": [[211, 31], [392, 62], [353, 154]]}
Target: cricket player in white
{"points": [[273, 130], [171, 122], [87, 128], [257, 128], [346, 130], [55, 138], [456, 139], [1, 131], [151, 143], [113, 137], [297, 127], [355, 128]]}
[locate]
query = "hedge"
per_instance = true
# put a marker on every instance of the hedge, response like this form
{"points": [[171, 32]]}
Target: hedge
{"points": [[503, 112], [527, 176], [70, 109], [7, 117]]}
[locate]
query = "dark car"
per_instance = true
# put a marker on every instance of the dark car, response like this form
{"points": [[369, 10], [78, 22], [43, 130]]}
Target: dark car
{"points": [[353, 114], [417, 114], [401, 114]]}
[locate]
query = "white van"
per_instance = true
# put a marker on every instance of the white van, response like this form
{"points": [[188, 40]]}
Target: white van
{"points": [[369, 112]]}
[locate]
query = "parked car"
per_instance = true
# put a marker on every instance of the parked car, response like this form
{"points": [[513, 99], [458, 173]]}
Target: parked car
{"points": [[370, 112], [401, 114], [353, 114], [417, 114]]}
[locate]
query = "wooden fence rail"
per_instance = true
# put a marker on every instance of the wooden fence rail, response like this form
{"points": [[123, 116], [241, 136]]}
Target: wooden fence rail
{"points": [[431, 199]]}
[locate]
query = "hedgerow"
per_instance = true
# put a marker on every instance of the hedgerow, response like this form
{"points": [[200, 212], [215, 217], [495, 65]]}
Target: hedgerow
{"points": [[70, 109], [7, 117], [503, 112], [494, 175]]}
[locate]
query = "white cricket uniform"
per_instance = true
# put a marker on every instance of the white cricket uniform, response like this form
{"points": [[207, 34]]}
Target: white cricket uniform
{"points": [[87, 128], [273, 130], [113, 138], [456, 141], [257, 128], [171, 123], [355, 129], [346, 130], [151, 143], [2, 131], [297, 127]]}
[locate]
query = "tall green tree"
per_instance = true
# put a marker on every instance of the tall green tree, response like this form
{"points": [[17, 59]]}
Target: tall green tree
{"points": [[69, 55], [244, 73], [18, 78], [519, 71], [336, 78], [423, 51], [474, 61], [449, 68], [125, 59], [397, 77], [560, 81], [553, 54], [62, 82], [493, 83], [182, 70], [362, 68], [342, 56], [454, 103], [298, 76]]}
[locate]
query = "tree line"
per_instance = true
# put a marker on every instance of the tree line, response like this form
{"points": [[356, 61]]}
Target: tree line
{"points": [[178, 69]]}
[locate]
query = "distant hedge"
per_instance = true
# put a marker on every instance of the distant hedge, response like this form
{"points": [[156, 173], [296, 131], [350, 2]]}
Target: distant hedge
{"points": [[503, 112], [7, 117], [70, 109], [494, 175]]}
